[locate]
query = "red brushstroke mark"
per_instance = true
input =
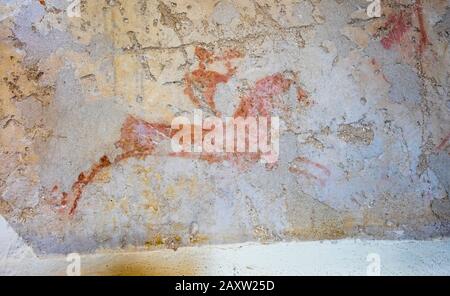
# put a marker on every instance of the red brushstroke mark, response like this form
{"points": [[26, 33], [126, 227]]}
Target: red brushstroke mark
{"points": [[325, 170], [139, 138], [303, 97], [206, 81], [307, 174], [65, 198], [42, 2], [55, 189], [58, 199], [322, 170], [397, 25], [259, 101], [444, 143], [423, 32], [84, 179]]}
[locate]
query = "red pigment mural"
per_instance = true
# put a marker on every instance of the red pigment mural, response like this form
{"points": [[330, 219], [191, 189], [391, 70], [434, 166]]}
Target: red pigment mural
{"points": [[400, 23], [140, 138], [205, 81], [301, 166]]}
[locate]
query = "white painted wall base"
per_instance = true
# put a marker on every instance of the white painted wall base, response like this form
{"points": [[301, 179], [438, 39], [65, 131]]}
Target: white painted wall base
{"points": [[345, 257]]}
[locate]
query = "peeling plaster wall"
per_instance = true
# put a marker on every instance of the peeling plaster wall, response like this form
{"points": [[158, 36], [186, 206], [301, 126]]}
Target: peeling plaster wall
{"points": [[86, 105]]}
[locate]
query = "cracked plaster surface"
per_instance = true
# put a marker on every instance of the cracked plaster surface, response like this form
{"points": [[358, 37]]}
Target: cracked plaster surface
{"points": [[363, 102]]}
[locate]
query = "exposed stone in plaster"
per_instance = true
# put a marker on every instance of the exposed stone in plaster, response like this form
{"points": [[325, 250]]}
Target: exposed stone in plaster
{"points": [[363, 103]]}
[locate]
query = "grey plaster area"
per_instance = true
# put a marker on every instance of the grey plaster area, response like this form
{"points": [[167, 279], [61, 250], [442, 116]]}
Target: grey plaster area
{"points": [[363, 106]]}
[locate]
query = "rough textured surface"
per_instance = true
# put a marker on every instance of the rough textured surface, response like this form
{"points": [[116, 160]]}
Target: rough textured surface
{"points": [[364, 105], [343, 257]]}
